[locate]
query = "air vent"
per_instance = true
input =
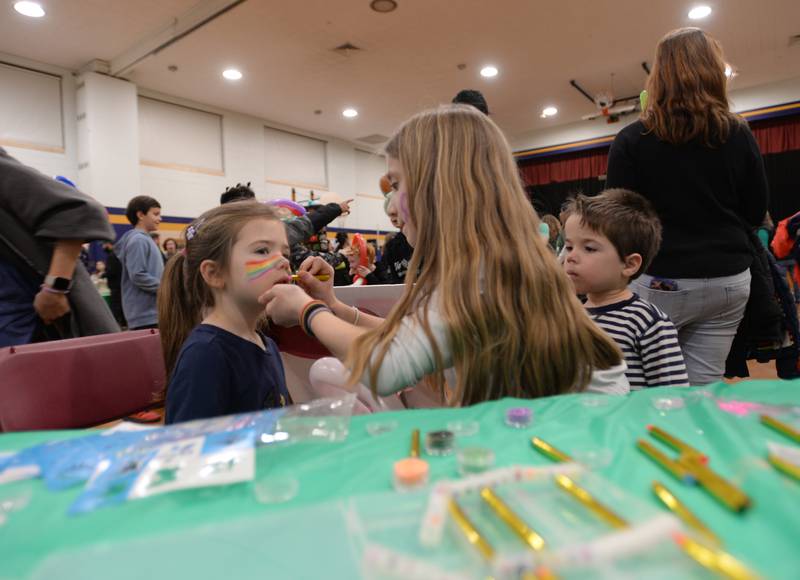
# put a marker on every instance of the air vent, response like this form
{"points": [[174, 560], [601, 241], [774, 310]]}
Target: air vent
{"points": [[374, 139], [347, 48]]}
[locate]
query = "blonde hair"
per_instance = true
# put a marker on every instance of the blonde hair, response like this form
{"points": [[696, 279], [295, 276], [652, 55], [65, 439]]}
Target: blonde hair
{"points": [[687, 90], [515, 327]]}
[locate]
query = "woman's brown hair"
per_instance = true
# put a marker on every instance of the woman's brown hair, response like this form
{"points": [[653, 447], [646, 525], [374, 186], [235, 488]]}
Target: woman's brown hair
{"points": [[687, 90], [515, 326], [183, 296]]}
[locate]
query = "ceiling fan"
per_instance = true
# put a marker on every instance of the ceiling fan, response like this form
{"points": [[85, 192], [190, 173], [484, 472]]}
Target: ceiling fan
{"points": [[608, 106]]}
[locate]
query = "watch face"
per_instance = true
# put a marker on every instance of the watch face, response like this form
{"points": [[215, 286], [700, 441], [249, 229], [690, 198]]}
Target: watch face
{"points": [[60, 284]]}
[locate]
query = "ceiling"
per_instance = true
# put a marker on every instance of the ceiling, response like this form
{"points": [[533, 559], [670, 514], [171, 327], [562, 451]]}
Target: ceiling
{"points": [[409, 58]]}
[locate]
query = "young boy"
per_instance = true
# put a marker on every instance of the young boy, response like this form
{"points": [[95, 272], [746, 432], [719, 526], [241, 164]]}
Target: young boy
{"points": [[610, 240], [142, 263]]}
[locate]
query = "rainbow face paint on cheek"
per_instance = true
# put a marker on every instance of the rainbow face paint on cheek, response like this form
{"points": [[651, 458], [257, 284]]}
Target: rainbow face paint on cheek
{"points": [[402, 203], [255, 269]]}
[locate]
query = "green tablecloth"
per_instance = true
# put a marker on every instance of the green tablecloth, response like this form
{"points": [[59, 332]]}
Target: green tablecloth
{"points": [[767, 537]]}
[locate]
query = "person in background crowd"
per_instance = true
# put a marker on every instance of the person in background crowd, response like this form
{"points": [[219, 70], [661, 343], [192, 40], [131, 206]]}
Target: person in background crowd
{"points": [[237, 192], [699, 165], [142, 263], [170, 247], [473, 98], [114, 278], [766, 230], [555, 235], [43, 223], [341, 242]]}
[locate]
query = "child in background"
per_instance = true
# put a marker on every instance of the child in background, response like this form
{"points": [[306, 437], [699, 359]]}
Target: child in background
{"points": [[498, 315], [217, 362], [362, 274], [610, 240]]}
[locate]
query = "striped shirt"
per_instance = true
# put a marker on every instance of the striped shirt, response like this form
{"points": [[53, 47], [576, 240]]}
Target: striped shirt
{"points": [[648, 340]]}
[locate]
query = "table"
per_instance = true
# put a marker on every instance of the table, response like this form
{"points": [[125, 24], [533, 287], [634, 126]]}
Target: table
{"points": [[767, 537]]}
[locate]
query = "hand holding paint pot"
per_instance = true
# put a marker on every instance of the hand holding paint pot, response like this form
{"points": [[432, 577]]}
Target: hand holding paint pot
{"points": [[284, 303], [308, 276]]}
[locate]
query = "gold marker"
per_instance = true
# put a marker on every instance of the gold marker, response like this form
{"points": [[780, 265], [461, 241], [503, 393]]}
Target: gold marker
{"points": [[676, 444], [781, 427], [414, 443], [590, 502], [469, 530], [715, 560], [670, 465], [512, 520], [721, 489], [684, 513], [549, 451], [784, 466], [320, 277]]}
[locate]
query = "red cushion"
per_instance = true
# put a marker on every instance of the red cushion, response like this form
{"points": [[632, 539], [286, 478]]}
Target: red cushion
{"points": [[79, 382]]}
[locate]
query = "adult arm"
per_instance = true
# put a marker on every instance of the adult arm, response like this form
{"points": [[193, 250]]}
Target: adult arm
{"points": [[48, 208], [324, 215], [51, 306]]}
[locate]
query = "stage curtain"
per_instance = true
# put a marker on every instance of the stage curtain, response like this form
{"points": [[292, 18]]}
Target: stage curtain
{"points": [[565, 167], [777, 135]]}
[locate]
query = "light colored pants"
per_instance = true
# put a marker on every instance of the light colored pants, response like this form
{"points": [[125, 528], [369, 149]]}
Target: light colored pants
{"points": [[707, 313]]}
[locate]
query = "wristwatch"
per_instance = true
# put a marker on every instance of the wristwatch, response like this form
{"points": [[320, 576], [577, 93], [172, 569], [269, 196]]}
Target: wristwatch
{"points": [[57, 284]]}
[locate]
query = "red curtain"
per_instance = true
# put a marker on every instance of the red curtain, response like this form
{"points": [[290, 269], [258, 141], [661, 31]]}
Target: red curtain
{"points": [[565, 167], [773, 136], [777, 135]]}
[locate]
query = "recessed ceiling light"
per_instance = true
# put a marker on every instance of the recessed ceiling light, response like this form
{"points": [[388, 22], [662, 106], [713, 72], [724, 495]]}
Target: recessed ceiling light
{"points": [[699, 12], [730, 72], [350, 113], [32, 9], [489, 72], [383, 6], [232, 74], [549, 112]]}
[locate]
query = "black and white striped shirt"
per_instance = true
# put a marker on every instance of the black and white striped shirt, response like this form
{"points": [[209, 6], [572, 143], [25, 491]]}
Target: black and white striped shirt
{"points": [[648, 340]]}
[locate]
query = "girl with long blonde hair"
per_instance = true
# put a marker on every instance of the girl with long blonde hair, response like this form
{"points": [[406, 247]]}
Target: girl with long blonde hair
{"points": [[483, 294]]}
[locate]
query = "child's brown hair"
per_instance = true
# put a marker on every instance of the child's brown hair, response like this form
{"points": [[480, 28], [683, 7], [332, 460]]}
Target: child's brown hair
{"points": [[626, 218], [183, 296]]}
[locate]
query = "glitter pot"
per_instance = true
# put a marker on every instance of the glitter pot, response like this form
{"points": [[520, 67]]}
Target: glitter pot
{"points": [[519, 417], [439, 442], [473, 460], [410, 473]]}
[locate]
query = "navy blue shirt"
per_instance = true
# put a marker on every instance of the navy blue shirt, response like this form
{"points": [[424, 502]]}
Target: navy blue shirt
{"points": [[219, 373]]}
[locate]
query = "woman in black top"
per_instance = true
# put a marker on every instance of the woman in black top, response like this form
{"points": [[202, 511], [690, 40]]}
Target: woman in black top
{"points": [[700, 167]]}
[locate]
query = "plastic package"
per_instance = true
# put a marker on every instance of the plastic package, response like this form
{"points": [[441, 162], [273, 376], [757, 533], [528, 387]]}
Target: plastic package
{"points": [[205, 453], [376, 537], [578, 543]]}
